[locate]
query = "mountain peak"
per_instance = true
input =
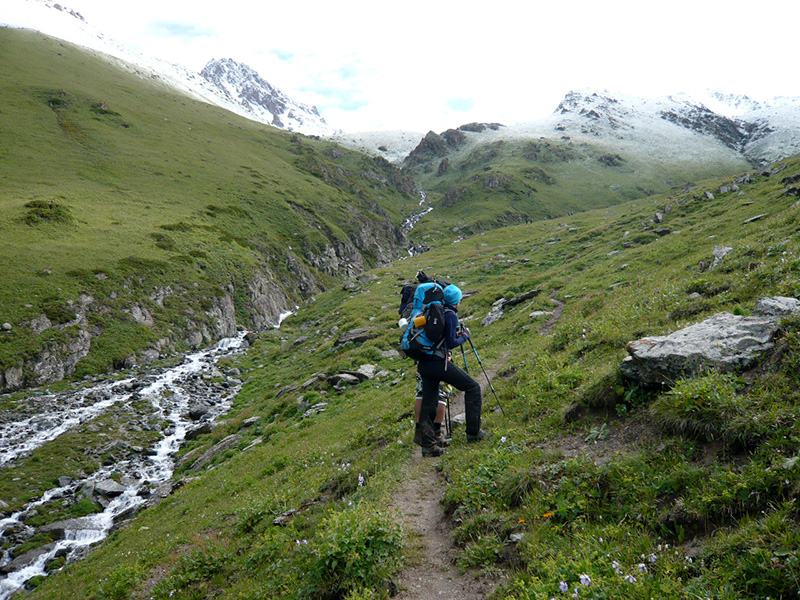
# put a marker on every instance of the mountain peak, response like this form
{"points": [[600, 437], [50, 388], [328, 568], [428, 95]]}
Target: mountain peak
{"points": [[256, 98]]}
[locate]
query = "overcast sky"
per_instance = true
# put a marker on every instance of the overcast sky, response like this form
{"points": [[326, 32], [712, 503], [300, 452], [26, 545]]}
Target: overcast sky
{"points": [[426, 65]]}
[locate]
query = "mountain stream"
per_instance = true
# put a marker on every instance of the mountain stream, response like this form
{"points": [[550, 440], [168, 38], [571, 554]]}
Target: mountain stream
{"points": [[123, 485]]}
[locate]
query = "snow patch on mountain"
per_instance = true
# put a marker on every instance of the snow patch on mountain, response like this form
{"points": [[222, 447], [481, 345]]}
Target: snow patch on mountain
{"points": [[677, 128], [394, 146], [248, 94]]}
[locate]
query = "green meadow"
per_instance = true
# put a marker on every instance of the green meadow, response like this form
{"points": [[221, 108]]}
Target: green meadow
{"points": [[611, 489]]}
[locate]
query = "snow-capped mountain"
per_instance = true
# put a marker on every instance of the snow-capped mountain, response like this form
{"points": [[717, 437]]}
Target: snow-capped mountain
{"points": [[227, 84], [760, 131], [256, 98]]}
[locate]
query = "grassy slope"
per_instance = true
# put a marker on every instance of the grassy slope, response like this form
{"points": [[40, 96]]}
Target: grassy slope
{"points": [[102, 172], [544, 179], [690, 493]]}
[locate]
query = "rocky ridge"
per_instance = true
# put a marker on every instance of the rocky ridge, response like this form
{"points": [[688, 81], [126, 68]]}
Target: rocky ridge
{"points": [[250, 95]]}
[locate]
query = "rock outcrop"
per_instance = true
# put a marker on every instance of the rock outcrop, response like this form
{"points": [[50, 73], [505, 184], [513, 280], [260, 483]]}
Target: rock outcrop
{"points": [[724, 342]]}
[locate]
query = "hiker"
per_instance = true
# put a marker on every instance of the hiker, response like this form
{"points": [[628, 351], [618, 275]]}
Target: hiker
{"points": [[438, 367], [407, 296]]}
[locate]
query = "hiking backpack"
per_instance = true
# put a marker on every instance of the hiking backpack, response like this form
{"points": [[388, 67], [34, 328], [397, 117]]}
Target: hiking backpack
{"points": [[424, 337]]}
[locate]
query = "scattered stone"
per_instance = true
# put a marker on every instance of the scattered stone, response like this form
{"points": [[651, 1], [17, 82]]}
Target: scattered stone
{"points": [[708, 196], [197, 412], [250, 422], [367, 371], [319, 407], [160, 493], [358, 335], [720, 252], [284, 390], [26, 559], [109, 488], [516, 538], [64, 481], [540, 313], [346, 378], [744, 179], [658, 218], [499, 306], [753, 219], [215, 450], [7, 326], [662, 231], [195, 432]]}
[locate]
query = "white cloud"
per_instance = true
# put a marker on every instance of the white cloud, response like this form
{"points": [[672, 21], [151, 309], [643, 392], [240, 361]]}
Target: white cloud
{"points": [[423, 65]]}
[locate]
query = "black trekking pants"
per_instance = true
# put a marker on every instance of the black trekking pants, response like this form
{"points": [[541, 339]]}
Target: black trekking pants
{"points": [[434, 371]]}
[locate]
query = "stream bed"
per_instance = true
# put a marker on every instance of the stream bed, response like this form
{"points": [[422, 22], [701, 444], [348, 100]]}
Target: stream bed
{"points": [[178, 400]]}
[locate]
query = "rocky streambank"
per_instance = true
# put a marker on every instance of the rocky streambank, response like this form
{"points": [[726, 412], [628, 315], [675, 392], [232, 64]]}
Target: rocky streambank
{"points": [[114, 442]]}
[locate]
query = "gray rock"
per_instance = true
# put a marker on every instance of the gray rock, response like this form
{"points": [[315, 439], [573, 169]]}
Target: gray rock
{"points": [[194, 432], [26, 559], [109, 488], [720, 252], [499, 306], [347, 378], [753, 219], [59, 528], [215, 450], [158, 494], [64, 481], [368, 371], [724, 342], [360, 334], [197, 412], [315, 410], [250, 422]]}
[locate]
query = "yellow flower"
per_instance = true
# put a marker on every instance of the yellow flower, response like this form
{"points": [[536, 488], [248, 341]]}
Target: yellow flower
{"points": [[547, 515]]}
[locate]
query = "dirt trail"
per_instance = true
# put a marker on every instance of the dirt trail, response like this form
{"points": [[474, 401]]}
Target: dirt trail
{"points": [[433, 574]]}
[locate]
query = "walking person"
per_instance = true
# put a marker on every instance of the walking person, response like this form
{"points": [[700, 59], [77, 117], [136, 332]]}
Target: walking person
{"points": [[438, 367]]}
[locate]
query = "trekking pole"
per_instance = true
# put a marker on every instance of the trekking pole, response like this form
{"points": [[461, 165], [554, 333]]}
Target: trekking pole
{"points": [[487, 376], [464, 354], [449, 427]]}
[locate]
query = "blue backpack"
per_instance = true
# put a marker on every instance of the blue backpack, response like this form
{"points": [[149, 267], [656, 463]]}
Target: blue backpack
{"points": [[424, 337]]}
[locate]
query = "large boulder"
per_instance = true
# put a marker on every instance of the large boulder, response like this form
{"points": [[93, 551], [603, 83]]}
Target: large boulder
{"points": [[724, 342]]}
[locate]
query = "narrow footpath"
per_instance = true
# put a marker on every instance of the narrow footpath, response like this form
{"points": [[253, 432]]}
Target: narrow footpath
{"points": [[433, 574]]}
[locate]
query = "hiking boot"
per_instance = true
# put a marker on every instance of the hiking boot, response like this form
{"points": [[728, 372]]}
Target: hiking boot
{"points": [[477, 437], [432, 451], [418, 435]]}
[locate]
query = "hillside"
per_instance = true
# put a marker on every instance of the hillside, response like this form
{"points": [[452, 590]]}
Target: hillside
{"points": [[595, 150], [590, 482], [137, 222]]}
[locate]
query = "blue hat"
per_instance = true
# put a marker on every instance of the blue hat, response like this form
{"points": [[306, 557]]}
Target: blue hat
{"points": [[452, 295]]}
